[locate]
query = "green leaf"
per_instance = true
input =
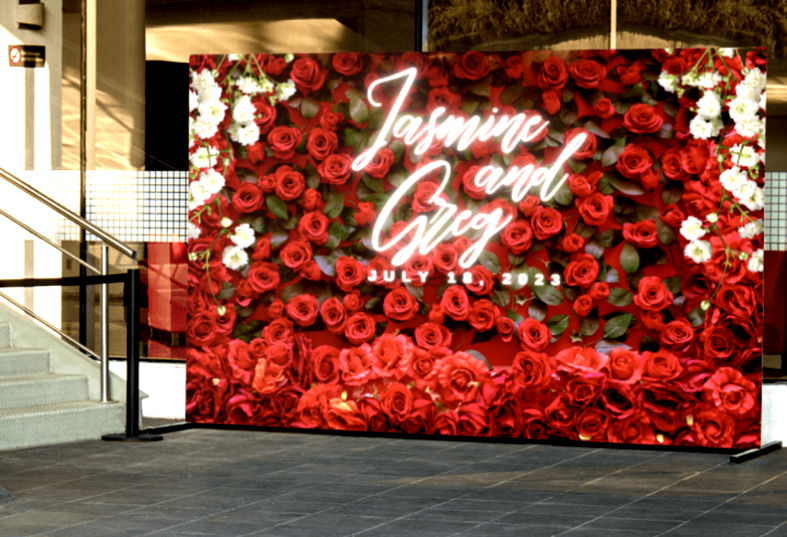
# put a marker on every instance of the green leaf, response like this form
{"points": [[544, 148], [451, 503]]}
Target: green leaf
{"points": [[612, 154], [589, 325], [627, 187], [480, 88], [279, 237], [516, 273], [514, 316], [373, 183], [417, 292], [478, 356], [568, 95], [277, 206], [672, 192], [490, 261], [596, 129], [501, 296], [617, 326], [629, 259], [546, 292], [537, 310], [327, 264], [697, 317], [226, 293], [665, 233], [336, 234], [396, 178], [567, 115], [607, 238], [397, 147], [376, 118], [672, 284], [348, 216], [564, 196], [309, 107], [620, 297], [313, 181], [594, 248], [511, 93], [291, 290], [469, 105], [558, 324], [515, 260], [334, 206], [612, 276], [358, 110], [606, 345]]}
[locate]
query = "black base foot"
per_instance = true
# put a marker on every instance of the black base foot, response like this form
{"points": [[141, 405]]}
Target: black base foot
{"points": [[756, 452], [143, 437]]}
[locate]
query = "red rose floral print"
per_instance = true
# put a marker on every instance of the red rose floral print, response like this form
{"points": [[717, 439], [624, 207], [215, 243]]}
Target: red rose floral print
{"points": [[531, 245]]}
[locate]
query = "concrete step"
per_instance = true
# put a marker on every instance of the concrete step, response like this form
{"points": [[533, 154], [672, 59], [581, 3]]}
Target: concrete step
{"points": [[23, 361], [58, 423], [46, 389], [5, 335]]}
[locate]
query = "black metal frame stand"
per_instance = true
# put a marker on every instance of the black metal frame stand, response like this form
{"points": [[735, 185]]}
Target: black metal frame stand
{"points": [[132, 433]]}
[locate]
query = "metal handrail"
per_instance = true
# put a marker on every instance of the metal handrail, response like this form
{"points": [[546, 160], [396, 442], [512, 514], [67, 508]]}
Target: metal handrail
{"points": [[69, 215]]}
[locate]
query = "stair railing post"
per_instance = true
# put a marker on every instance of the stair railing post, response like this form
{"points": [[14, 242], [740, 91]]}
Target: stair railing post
{"points": [[104, 325]]}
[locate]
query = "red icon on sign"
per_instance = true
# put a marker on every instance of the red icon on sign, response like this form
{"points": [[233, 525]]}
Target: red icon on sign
{"points": [[15, 55]]}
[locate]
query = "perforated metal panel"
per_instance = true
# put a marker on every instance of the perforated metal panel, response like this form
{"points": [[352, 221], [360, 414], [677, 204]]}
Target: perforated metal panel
{"points": [[776, 211]]}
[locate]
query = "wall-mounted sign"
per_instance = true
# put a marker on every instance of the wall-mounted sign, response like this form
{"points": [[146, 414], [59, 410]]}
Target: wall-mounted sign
{"points": [[26, 56], [526, 244]]}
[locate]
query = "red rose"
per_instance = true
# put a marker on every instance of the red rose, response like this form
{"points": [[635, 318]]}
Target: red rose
{"points": [[551, 102], [581, 360], [267, 183], [738, 300], [529, 205], [588, 147], [275, 66], [400, 305], [430, 335], [347, 63], [321, 143], [674, 66], [581, 271], [671, 165], [513, 67], [731, 392], [629, 75], [445, 258], [436, 76], [694, 156], [472, 65], [278, 331], [455, 303], [714, 429], [660, 366], [417, 266], [333, 315], [386, 275], [350, 273], [652, 295], [345, 415], [289, 183], [677, 336], [331, 120], [313, 227], [583, 304], [483, 280], [583, 186], [392, 355], [553, 74], [592, 425], [546, 222], [506, 328], [532, 369], [366, 213], [595, 208], [356, 364], [397, 402], [325, 367], [283, 141], [295, 254], [571, 243], [312, 200], [642, 234], [650, 179], [587, 73], [410, 60], [471, 188], [604, 109], [303, 309], [265, 117], [276, 309], [517, 237], [424, 192], [460, 376], [599, 290], [307, 75], [353, 301], [360, 328], [718, 342], [202, 330], [642, 119], [436, 313], [533, 335], [264, 277], [653, 320], [335, 169], [311, 271], [625, 365], [672, 216], [442, 97], [380, 163], [314, 405], [633, 161], [483, 315], [248, 198]]}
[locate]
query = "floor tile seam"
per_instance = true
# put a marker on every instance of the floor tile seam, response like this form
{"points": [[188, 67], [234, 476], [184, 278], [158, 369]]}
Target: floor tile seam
{"points": [[783, 524], [643, 497], [728, 500]]}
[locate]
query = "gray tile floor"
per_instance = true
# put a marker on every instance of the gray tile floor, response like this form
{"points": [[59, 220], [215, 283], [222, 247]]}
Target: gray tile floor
{"points": [[220, 482]]}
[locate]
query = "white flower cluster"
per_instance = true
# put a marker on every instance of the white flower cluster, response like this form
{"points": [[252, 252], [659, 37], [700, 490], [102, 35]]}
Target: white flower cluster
{"points": [[697, 250], [209, 183], [243, 129], [205, 99], [235, 257]]}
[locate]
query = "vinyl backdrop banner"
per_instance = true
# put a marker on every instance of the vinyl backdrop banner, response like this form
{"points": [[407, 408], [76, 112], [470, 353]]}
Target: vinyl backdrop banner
{"points": [[532, 245]]}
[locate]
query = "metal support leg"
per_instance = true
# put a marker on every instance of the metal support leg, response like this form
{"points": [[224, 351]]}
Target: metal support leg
{"points": [[104, 325]]}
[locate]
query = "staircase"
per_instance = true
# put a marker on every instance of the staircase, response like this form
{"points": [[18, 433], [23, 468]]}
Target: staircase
{"points": [[39, 407]]}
